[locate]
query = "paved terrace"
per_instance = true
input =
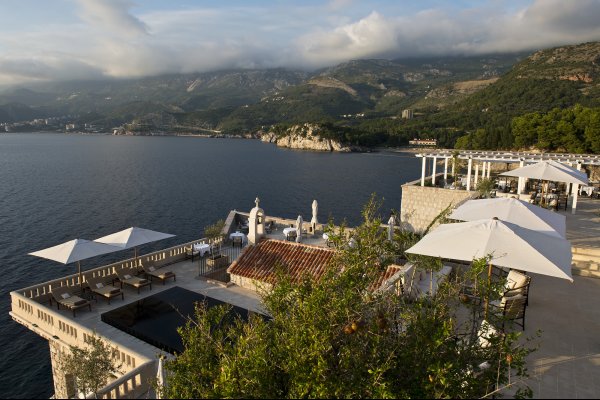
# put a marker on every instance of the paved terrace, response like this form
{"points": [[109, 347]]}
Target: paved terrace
{"points": [[567, 363]]}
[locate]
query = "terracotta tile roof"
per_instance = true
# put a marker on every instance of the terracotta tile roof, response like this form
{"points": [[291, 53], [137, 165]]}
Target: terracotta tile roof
{"points": [[389, 272], [260, 262]]}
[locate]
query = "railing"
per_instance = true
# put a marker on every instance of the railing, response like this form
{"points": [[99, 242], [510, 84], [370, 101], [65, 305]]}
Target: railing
{"points": [[62, 330], [131, 385], [215, 266]]}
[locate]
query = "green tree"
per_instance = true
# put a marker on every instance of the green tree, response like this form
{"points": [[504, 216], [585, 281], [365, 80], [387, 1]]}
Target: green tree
{"points": [[338, 337], [92, 366]]}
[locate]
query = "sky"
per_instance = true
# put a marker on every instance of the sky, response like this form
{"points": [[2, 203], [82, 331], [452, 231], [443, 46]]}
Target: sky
{"points": [[94, 39]]}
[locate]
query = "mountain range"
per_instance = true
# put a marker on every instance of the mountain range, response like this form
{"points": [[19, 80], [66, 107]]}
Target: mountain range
{"points": [[449, 96]]}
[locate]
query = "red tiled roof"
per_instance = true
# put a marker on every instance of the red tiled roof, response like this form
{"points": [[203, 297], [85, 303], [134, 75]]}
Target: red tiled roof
{"points": [[260, 262]]}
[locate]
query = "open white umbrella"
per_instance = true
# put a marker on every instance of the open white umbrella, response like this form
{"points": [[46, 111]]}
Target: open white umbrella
{"points": [[299, 223], [133, 237], [515, 211], [74, 251], [511, 246], [550, 171]]}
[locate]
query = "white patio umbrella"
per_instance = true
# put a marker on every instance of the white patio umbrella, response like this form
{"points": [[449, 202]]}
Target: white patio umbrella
{"points": [[511, 246], [515, 211], [550, 171], [133, 237], [315, 210], [299, 223], [161, 382], [391, 226], [74, 251]]}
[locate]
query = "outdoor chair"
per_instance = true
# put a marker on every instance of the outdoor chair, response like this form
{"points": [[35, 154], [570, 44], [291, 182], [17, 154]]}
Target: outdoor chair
{"points": [[486, 335], [237, 240], [99, 286], [191, 253], [291, 236], [562, 202], [269, 227], [509, 309], [126, 276], [152, 271], [517, 284], [64, 296]]}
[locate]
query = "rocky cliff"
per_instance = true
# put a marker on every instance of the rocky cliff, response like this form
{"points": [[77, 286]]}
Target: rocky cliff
{"points": [[306, 137]]}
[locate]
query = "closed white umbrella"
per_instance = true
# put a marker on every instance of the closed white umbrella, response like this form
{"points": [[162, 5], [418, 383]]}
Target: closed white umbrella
{"points": [[391, 226], [133, 237], [515, 211], [299, 223], [315, 210], [550, 171], [74, 251], [511, 246], [160, 379]]}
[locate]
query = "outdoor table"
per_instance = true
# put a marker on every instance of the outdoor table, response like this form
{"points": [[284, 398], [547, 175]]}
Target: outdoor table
{"points": [[238, 234], [202, 248], [588, 190]]}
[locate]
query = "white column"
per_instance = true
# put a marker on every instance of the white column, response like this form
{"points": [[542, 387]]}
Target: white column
{"points": [[453, 167], [424, 160], [476, 175], [469, 167], [483, 165], [489, 168], [445, 169], [433, 171], [576, 192], [520, 182]]}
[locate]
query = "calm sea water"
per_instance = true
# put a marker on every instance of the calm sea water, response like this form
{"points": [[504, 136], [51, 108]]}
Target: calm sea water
{"points": [[55, 188]]}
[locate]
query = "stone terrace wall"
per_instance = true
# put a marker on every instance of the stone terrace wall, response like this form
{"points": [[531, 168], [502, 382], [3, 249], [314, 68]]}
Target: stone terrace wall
{"points": [[421, 204]]}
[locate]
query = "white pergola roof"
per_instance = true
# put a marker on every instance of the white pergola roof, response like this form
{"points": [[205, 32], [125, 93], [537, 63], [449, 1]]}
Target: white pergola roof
{"points": [[514, 156]]}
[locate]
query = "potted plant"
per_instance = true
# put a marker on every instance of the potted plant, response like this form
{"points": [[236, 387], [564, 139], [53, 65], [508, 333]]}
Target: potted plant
{"points": [[214, 234]]}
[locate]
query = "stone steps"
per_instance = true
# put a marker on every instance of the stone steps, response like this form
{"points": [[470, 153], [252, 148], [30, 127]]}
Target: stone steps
{"points": [[586, 261]]}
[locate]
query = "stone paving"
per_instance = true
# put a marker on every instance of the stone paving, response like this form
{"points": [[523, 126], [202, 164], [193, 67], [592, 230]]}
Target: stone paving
{"points": [[567, 363]]}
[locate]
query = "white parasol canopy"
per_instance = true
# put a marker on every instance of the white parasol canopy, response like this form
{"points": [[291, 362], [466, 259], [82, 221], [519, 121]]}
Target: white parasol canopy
{"points": [[133, 237], [299, 223], [550, 171], [511, 246], [74, 251], [515, 211]]}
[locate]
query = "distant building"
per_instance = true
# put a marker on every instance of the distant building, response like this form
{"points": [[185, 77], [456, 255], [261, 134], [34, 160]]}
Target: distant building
{"points": [[423, 142], [407, 114]]}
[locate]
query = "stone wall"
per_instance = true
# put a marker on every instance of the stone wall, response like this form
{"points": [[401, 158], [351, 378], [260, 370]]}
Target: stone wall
{"points": [[421, 204]]}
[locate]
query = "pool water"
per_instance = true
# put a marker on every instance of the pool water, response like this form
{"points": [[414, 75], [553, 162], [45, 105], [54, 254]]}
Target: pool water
{"points": [[155, 319]]}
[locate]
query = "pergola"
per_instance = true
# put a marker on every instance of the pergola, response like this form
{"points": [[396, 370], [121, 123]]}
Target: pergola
{"points": [[486, 158]]}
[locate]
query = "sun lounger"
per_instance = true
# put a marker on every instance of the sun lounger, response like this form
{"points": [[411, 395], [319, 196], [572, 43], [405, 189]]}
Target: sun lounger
{"points": [[67, 299], [127, 276], [152, 271], [98, 286]]}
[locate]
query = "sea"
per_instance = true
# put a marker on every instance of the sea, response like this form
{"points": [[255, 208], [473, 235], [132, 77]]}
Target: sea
{"points": [[58, 187]]}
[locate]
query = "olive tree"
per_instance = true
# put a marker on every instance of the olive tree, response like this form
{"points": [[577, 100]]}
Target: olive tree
{"points": [[91, 366]]}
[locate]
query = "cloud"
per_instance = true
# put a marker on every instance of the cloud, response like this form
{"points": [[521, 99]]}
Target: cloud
{"points": [[108, 39], [545, 23], [111, 16]]}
